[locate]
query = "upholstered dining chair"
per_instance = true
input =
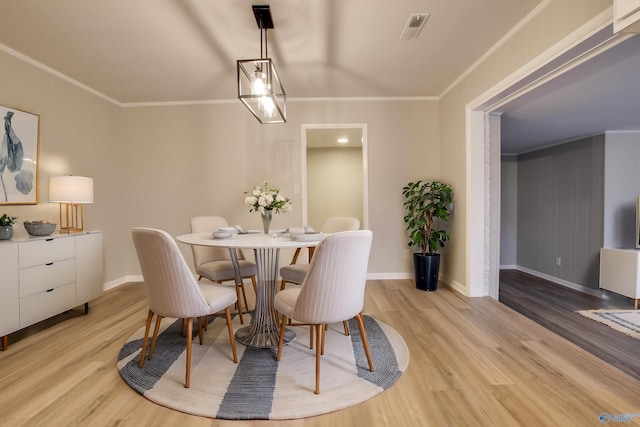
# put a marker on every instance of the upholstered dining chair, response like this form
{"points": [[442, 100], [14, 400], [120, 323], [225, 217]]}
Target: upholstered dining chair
{"points": [[172, 291], [332, 291], [215, 263], [295, 273]]}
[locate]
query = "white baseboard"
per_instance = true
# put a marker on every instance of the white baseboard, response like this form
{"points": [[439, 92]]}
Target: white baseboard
{"points": [[565, 283], [121, 281], [371, 276], [389, 276], [452, 284]]}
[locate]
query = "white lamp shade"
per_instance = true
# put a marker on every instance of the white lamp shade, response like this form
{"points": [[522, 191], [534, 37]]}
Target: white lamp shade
{"points": [[71, 189]]}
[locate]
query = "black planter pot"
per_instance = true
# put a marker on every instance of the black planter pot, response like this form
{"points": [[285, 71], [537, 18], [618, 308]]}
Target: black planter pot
{"points": [[426, 269]]}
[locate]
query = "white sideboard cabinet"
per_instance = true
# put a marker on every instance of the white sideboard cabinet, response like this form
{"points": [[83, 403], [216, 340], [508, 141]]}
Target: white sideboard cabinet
{"points": [[620, 272], [44, 276]]}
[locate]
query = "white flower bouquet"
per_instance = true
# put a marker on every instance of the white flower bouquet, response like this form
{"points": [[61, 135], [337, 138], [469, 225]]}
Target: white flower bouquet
{"points": [[262, 199]]}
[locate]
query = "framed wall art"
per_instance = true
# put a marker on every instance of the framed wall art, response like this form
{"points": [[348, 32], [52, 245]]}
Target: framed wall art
{"points": [[19, 157]]}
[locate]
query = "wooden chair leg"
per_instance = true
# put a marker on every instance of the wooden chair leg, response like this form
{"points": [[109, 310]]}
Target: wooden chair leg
{"points": [[345, 325], [322, 341], [311, 328], [283, 285], [188, 367], [200, 334], [283, 325], [183, 325], [227, 313], [155, 336], [253, 282], [365, 342], [5, 342], [319, 337], [146, 338]]}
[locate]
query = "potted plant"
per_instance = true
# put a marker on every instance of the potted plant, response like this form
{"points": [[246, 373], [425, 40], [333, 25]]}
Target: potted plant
{"points": [[6, 226], [425, 204]]}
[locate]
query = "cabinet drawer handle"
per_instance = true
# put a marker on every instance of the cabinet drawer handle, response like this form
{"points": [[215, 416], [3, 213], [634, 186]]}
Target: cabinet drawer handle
{"points": [[50, 290], [48, 240], [49, 263]]}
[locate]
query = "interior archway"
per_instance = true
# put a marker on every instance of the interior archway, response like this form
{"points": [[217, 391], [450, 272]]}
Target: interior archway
{"points": [[483, 166]]}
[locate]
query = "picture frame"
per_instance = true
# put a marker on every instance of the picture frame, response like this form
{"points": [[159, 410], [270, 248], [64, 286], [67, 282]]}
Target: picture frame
{"points": [[19, 157]]}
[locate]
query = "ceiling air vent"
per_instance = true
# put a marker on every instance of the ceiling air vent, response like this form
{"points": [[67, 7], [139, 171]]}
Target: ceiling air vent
{"points": [[414, 26]]}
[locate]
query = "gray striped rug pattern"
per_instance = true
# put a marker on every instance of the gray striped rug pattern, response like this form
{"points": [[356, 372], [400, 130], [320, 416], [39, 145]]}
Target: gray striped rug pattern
{"points": [[258, 387]]}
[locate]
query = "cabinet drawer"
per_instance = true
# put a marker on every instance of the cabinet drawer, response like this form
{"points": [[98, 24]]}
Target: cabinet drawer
{"points": [[45, 251], [40, 306], [43, 277]]}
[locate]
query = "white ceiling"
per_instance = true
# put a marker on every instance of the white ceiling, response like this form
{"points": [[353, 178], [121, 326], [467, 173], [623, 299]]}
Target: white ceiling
{"points": [[137, 51], [602, 94], [155, 51], [328, 138]]}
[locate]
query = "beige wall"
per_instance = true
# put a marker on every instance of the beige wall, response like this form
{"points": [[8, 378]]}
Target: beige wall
{"points": [[79, 135], [184, 161], [158, 166], [550, 26], [334, 184]]}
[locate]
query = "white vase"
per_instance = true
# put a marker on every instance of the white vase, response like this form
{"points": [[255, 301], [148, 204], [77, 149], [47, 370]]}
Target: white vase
{"points": [[266, 221]]}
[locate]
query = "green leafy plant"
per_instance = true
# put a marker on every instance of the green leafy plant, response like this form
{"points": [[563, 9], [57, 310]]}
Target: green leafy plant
{"points": [[7, 220], [424, 203]]}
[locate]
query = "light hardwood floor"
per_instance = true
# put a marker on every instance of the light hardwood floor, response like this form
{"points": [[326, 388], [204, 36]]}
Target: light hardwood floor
{"points": [[474, 362]]}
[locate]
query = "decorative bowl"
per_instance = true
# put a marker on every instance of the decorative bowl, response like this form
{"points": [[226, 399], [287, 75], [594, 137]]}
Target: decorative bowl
{"points": [[222, 234], [39, 228]]}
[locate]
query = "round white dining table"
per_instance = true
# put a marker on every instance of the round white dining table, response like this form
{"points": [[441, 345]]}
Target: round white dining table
{"points": [[263, 330]]}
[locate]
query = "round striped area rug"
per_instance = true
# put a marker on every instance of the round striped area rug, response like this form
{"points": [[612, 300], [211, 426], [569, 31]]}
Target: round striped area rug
{"points": [[258, 387]]}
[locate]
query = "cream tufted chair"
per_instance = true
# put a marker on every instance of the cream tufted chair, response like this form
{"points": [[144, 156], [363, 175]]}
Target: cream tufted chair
{"points": [[215, 263], [332, 291], [172, 291], [295, 273]]}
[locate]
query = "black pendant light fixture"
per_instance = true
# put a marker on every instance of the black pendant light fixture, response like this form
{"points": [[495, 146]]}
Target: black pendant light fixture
{"points": [[259, 86]]}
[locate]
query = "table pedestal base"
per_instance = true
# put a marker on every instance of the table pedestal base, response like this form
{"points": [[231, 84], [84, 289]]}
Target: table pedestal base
{"points": [[263, 330], [265, 339]]}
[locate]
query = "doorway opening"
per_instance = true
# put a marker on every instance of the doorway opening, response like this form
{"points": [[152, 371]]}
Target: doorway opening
{"points": [[483, 148], [334, 173]]}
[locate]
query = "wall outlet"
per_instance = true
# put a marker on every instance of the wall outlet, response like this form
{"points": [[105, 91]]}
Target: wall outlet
{"points": [[558, 261], [296, 188]]}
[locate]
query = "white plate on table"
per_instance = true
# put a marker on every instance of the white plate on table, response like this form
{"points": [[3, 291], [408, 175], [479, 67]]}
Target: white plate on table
{"points": [[307, 237]]}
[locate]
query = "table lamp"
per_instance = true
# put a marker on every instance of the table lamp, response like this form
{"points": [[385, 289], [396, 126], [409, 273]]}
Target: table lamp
{"points": [[71, 192]]}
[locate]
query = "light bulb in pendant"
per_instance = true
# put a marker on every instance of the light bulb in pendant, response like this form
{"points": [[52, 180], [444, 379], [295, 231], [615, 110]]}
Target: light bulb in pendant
{"points": [[267, 106], [258, 83]]}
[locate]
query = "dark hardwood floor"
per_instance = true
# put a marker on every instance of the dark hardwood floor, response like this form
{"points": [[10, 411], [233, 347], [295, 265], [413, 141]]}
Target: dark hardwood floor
{"points": [[554, 307]]}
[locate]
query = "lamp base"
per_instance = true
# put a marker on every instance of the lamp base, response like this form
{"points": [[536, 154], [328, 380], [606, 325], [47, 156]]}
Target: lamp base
{"points": [[72, 221]]}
